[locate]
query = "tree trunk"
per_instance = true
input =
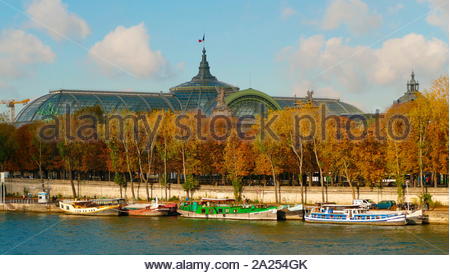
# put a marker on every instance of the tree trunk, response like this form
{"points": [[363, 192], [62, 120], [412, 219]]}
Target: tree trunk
{"points": [[132, 184], [299, 156], [127, 156], [320, 170], [146, 190], [165, 191], [400, 178], [165, 168], [264, 189], [435, 179], [347, 176], [72, 183], [138, 188], [40, 164], [78, 182], [300, 181], [421, 170], [275, 183]]}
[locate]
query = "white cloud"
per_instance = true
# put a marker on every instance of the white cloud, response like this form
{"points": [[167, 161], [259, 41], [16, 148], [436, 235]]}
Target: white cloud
{"points": [[300, 89], [395, 8], [287, 12], [19, 50], [53, 17], [438, 14], [357, 69], [354, 14], [128, 50], [398, 55], [7, 92]]}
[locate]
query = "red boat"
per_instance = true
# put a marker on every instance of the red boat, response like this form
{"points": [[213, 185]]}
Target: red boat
{"points": [[151, 209]]}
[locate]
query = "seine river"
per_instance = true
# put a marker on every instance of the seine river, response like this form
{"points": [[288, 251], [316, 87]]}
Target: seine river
{"points": [[62, 234]]}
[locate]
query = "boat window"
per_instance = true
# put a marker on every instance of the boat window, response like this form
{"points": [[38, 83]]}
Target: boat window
{"points": [[211, 211], [203, 211], [220, 210], [235, 210]]}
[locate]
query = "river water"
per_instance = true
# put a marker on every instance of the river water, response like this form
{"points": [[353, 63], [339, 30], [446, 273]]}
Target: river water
{"points": [[64, 234]]}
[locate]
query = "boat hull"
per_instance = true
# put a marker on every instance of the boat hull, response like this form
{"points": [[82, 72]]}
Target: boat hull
{"points": [[262, 215], [386, 222], [114, 211], [151, 211], [148, 212], [110, 210]]}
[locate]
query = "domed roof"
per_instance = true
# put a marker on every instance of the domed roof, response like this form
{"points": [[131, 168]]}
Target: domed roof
{"points": [[203, 80], [61, 101]]}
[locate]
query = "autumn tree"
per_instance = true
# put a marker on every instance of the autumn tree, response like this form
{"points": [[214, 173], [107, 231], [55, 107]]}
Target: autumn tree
{"points": [[270, 150], [437, 131], [401, 149], [7, 144], [238, 162], [167, 146]]}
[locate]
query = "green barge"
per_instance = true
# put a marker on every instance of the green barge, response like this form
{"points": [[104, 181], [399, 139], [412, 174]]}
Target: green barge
{"points": [[227, 209]]}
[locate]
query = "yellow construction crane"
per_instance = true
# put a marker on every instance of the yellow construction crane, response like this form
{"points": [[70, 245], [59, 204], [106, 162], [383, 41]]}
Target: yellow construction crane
{"points": [[11, 104]]}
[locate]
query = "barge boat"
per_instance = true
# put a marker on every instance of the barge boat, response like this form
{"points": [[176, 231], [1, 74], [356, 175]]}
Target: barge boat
{"points": [[227, 209], [96, 207], [153, 209], [351, 214]]}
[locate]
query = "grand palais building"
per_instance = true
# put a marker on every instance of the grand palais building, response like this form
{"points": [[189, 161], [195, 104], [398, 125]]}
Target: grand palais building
{"points": [[198, 93]]}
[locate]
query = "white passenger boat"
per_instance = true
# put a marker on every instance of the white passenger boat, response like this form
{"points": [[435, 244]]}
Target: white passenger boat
{"points": [[97, 207], [351, 214]]}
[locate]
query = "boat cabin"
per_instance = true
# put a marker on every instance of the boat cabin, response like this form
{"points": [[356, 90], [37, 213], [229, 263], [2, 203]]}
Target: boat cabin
{"points": [[43, 197]]}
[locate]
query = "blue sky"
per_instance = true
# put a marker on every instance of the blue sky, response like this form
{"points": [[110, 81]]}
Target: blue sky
{"points": [[360, 51]]}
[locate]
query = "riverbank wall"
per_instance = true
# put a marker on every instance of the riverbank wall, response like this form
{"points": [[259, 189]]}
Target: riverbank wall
{"points": [[289, 194], [437, 216], [30, 207]]}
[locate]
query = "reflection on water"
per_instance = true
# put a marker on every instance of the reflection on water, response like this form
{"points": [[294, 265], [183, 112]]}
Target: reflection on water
{"points": [[64, 234]]}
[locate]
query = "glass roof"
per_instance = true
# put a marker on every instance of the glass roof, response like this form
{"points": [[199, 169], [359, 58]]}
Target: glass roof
{"points": [[60, 102]]}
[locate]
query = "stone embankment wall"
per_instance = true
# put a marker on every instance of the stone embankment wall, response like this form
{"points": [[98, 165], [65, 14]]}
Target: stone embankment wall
{"points": [[289, 194], [437, 216], [25, 207]]}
